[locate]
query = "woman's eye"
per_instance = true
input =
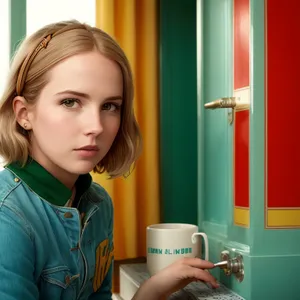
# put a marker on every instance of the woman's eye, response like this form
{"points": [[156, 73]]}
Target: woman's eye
{"points": [[70, 102], [111, 106]]}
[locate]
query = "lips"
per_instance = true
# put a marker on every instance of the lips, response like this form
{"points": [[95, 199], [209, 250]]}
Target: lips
{"points": [[87, 152], [89, 148]]}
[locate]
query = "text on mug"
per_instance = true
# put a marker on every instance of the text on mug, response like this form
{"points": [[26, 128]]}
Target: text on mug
{"points": [[169, 251]]}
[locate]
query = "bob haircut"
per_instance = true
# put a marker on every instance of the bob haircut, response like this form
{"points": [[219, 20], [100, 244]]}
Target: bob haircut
{"points": [[28, 76]]}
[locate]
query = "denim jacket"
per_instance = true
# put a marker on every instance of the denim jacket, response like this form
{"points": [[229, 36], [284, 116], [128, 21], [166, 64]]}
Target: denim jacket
{"points": [[46, 251]]}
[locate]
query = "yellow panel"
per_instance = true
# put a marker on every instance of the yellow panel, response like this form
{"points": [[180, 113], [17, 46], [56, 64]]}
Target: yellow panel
{"points": [[283, 218], [241, 216]]}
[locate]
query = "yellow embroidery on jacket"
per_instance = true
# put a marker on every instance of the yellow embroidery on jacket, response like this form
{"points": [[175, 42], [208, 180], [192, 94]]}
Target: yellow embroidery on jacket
{"points": [[104, 257]]}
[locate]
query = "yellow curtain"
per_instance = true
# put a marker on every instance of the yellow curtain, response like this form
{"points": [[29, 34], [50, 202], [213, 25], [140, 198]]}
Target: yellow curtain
{"points": [[133, 24]]}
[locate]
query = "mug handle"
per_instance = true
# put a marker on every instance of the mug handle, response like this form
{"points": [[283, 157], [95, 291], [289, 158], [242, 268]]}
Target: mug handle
{"points": [[204, 236]]}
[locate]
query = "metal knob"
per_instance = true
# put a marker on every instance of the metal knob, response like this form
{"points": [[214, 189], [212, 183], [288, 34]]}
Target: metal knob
{"points": [[222, 264], [231, 266]]}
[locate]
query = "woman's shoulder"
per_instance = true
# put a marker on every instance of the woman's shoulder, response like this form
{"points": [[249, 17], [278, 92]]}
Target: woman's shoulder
{"points": [[12, 212], [8, 183], [100, 192], [98, 195]]}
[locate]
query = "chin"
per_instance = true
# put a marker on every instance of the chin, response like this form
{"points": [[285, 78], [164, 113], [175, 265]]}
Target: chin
{"points": [[82, 167]]}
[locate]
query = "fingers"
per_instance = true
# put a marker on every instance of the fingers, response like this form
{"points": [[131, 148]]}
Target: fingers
{"points": [[202, 275], [197, 263], [196, 269]]}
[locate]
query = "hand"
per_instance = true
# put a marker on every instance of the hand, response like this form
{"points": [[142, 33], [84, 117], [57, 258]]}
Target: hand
{"points": [[181, 273], [175, 277]]}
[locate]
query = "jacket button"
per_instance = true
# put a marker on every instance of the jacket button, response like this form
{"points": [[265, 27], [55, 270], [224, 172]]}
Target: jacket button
{"points": [[68, 279], [16, 179], [75, 248], [68, 215]]}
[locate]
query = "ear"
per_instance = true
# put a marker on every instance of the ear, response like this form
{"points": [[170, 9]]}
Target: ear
{"points": [[20, 107]]}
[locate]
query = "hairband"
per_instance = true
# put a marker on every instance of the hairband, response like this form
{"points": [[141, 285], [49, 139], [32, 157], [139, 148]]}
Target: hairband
{"points": [[30, 57]]}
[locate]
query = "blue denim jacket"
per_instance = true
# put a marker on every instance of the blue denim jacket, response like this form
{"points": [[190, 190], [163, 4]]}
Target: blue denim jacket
{"points": [[46, 251]]}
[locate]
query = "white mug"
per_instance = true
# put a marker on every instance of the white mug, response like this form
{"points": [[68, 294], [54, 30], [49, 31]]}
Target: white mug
{"points": [[168, 242]]}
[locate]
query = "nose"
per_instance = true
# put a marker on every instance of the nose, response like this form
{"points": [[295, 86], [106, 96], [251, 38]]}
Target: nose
{"points": [[93, 124]]}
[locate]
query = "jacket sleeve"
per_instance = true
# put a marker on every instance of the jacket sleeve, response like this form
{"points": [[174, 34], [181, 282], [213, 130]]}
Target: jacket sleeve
{"points": [[16, 257]]}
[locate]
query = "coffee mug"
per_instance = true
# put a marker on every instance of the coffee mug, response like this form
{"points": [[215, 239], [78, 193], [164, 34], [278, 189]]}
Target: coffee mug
{"points": [[168, 242]]}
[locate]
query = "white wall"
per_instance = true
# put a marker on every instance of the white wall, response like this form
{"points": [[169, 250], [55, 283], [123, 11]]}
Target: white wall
{"points": [[43, 12], [5, 47], [5, 41]]}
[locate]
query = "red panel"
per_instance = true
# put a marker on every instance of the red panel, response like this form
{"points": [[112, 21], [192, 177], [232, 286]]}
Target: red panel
{"points": [[241, 120], [241, 43], [241, 159], [282, 116]]}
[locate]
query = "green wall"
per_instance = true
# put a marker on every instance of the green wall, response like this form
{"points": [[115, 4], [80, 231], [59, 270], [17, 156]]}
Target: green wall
{"points": [[178, 111], [17, 23]]}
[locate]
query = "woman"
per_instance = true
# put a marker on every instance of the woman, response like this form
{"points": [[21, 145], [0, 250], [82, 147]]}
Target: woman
{"points": [[67, 110]]}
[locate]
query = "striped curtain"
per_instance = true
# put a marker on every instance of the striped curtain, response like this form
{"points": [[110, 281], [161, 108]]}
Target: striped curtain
{"points": [[133, 23]]}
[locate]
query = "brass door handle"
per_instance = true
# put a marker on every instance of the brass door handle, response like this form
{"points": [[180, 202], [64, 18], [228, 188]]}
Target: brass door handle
{"points": [[228, 102], [221, 103], [235, 103]]}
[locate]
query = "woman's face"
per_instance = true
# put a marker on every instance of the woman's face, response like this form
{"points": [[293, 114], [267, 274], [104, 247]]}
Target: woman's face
{"points": [[77, 115]]}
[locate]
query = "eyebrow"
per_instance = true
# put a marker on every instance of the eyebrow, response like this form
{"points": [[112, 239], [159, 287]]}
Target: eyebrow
{"points": [[84, 95]]}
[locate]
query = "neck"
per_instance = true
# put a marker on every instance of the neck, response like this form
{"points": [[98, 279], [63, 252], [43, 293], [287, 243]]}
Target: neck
{"points": [[67, 178], [72, 196]]}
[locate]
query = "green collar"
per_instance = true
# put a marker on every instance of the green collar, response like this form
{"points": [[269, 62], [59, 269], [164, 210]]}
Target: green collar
{"points": [[46, 185]]}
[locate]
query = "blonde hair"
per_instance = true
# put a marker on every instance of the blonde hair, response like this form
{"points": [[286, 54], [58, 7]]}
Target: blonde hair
{"points": [[28, 75]]}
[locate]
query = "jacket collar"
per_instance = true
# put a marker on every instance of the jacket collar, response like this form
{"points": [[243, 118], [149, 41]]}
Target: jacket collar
{"points": [[46, 185]]}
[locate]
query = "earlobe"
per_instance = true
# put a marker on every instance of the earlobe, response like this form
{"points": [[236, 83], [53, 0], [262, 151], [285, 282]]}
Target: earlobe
{"points": [[20, 107]]}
